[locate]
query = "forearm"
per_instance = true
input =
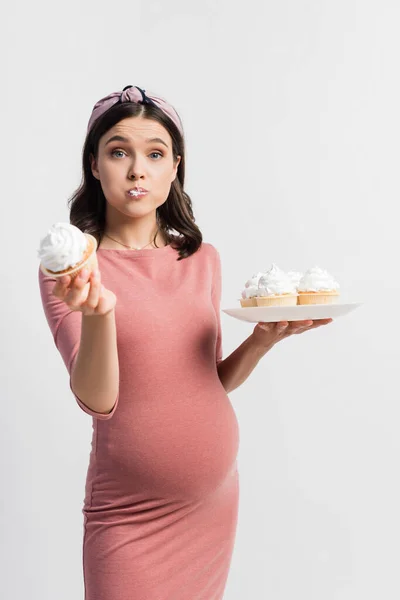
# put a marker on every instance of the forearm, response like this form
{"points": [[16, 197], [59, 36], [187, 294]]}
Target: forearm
{"points": [[236, 368], [95, 374]]}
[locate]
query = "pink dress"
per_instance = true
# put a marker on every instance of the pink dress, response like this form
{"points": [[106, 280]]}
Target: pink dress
{"points": [[162, 489]]}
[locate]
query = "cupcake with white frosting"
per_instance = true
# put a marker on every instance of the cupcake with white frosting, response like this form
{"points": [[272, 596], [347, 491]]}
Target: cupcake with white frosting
{"points": [[295, 277], [276, 288], [65, 250], [250, 291], [317, 286]]}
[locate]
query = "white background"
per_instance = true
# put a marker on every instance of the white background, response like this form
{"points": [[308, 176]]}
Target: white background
{"points": [[291, 112]]}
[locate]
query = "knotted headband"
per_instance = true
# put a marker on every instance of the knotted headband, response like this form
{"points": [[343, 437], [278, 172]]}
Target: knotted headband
{"points": [[132, 93]]}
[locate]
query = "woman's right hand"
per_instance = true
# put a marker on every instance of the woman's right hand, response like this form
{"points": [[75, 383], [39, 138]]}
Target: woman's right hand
{"points": [[86, 293]]}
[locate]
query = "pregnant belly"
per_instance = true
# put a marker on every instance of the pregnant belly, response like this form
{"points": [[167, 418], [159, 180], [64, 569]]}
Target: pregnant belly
{"points": [[172, 447]]}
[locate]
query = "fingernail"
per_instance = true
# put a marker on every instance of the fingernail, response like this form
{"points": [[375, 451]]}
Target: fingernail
{"points": [[83, 273]]}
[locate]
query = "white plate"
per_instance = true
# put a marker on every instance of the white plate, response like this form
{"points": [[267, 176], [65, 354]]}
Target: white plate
{"points": [[300, 312]]}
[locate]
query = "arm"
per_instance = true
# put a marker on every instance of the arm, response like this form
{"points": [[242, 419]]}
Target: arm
{"points": [[88, 348], [95, 370], [236, 368]]}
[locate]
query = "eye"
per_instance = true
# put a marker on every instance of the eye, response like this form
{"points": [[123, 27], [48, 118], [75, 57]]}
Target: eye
{"points": [[152, 153], [114, 151]]}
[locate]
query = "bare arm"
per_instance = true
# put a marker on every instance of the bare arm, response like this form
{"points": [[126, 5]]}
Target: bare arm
{"points": [[236, 368], [95, 373]]}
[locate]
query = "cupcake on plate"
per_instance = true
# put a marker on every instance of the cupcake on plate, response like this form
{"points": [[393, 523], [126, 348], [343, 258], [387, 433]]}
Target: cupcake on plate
{"points": [[295, 277], [65, 250], [250, 291], [275, 288], [317, 286]]}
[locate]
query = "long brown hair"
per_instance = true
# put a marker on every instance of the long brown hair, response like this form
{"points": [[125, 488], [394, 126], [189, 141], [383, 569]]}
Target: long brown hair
{"points": [[88, 203]]}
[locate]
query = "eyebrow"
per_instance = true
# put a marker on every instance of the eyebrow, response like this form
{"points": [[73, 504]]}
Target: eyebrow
{"points": [[120, 138]]}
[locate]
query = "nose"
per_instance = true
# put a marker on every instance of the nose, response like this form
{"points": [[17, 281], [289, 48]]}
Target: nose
{"points": [[137, 168]]}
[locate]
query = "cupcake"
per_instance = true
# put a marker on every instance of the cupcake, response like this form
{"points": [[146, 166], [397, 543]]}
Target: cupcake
{"points": [[295, 277], [65, 250], [275, 288], [317, 286], [250, 291]]}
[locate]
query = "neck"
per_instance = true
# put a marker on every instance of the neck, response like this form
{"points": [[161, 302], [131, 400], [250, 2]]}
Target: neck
{"points": [[113, 240], [133, 232]]}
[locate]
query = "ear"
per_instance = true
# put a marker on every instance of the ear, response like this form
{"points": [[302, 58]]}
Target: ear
{"points": [[93, 165], [178, 160]]}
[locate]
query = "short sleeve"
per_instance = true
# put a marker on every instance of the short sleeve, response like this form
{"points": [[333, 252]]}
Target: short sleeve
{"points": [[216, 300], [65, 326]]}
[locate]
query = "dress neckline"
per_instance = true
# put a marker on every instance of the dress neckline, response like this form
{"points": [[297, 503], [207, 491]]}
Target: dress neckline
{"points": [[150, 252]]}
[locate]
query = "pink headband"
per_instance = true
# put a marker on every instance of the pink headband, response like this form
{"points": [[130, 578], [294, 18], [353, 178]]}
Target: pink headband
{"points": [[132, 93]]}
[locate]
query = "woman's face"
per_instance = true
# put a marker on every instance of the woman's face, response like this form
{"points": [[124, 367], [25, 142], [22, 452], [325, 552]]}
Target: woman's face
{"points": [[143, 160]]}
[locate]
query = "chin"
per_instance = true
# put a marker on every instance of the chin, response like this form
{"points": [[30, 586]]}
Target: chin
{"points": [[137, 210]]}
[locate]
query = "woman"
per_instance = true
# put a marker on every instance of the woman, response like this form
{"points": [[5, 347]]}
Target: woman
{"points": [[141, 339]]}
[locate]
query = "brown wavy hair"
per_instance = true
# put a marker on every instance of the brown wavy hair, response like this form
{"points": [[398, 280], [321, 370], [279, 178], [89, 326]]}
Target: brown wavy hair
{"points": [[88, 203]]}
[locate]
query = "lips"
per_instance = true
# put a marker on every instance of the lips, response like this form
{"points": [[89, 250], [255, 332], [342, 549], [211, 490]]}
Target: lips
{"points": [[137, 193], [137, 190]]}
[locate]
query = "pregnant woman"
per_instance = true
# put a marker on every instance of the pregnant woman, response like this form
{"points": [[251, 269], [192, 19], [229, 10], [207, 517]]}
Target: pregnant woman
{"points": [[141, 339]]}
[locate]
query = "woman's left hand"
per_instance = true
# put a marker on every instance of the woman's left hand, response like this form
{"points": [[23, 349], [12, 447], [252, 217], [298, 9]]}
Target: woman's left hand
{"points": [[267, 335]]}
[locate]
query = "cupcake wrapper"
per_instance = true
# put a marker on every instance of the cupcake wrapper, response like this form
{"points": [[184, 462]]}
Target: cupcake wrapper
{"points": [[317, 298], [247, 302], [285, 300], [89, 262]]}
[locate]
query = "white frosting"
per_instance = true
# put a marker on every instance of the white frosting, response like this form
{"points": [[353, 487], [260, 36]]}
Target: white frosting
{"points": [[62, 247], [275, 282], [295, 277], [250, 291], [251, 286], [317, 280], [253, 280]]}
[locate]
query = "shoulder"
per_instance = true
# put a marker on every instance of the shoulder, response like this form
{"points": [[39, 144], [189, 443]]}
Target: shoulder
{"points": [[205, 255], [211, 258], [210, 251]]}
